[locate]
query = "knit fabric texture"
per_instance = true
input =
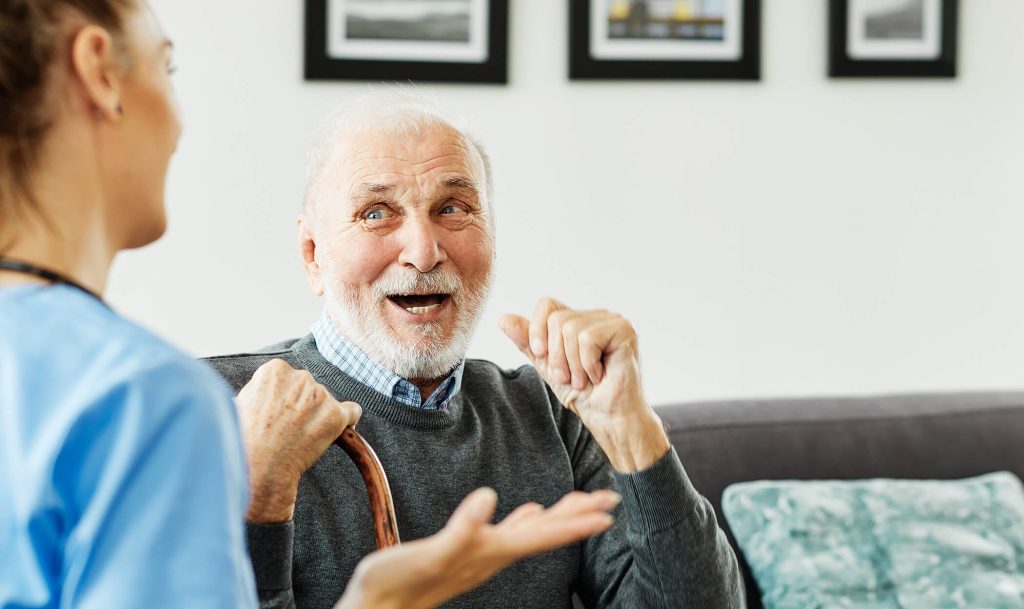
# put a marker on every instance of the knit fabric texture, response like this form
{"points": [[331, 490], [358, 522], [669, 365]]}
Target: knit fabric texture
{"points": [[505, 430]]}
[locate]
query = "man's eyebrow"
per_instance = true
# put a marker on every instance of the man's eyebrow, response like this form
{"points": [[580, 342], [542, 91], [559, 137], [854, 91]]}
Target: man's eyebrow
{"points": [[460, 182], [374, 189]]}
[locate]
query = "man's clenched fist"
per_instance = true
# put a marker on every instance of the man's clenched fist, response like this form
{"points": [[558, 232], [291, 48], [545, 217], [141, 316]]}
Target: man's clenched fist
{"points": [[591, 361]]}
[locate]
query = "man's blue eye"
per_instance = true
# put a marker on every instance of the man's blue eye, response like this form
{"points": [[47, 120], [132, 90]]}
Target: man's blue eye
{"points": [[375, 214], [449, 209]]}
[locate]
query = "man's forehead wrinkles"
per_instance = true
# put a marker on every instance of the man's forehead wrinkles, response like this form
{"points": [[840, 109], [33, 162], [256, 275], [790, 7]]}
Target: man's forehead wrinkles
{"points": [[375, 182], [370, 172], [376, 166], [367, 156], [375, 177]]}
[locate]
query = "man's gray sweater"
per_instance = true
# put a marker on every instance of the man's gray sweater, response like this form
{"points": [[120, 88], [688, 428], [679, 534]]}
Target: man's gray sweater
{"points": [[505, 430]]}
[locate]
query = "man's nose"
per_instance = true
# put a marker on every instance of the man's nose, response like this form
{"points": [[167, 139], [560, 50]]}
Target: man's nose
{"points": [[420, 247]]}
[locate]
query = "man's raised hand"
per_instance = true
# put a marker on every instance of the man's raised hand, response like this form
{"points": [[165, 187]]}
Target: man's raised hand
{"points": [[590, 359]]}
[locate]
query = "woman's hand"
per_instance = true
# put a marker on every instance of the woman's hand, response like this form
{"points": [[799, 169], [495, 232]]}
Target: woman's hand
{"points": [[469, 550]]}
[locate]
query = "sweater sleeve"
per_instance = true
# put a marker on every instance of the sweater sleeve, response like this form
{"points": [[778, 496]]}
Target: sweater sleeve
{"points": [[270, 548], [665, 549]]}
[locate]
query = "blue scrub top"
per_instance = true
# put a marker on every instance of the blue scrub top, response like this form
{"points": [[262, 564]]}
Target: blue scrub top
{"points": [[122, 475]]}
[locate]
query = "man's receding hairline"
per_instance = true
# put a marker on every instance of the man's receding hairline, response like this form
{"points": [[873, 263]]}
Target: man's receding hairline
{"points": [[402, 111], [343, 138]]}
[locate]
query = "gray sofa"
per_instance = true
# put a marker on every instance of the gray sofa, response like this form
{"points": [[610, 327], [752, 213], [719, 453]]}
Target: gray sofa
{"points": [[938, 436]]}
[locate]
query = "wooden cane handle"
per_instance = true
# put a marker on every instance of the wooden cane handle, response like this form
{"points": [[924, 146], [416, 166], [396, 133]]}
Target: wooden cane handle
{"points": [[385, 526]]}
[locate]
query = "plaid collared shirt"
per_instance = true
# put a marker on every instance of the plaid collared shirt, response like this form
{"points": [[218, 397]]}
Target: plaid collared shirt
{"points": [[351, 360]]}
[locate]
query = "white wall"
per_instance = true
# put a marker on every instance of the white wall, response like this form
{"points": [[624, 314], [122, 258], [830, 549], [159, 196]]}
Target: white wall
{"points": [[793, 236]]}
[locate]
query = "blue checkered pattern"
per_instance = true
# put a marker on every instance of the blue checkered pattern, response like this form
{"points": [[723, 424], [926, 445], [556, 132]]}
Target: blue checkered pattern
{"points": [[351, 360]]}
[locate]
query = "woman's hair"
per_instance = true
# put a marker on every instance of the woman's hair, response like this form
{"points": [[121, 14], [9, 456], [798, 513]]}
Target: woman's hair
{"points": [[31, 35]]}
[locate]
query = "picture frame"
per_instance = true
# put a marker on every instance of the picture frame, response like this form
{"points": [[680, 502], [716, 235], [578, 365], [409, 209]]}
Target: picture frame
{"points": [[665, 39], [463, 41], [893, 38]]}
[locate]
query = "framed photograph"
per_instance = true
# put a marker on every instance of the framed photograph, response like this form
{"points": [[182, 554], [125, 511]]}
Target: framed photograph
{"points": [[418, 40], [899, 38], [665, 39]]}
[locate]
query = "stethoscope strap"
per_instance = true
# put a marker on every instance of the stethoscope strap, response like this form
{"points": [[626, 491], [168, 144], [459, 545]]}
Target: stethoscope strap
{"points": [[18, 266]]}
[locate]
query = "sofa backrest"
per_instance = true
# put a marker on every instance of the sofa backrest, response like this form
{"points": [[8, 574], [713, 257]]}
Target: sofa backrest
{"points": [[925, 436]]}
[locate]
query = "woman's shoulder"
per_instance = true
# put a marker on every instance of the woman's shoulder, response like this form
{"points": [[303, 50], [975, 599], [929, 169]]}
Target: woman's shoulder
{"points": [[71, 360], [62, 334]]}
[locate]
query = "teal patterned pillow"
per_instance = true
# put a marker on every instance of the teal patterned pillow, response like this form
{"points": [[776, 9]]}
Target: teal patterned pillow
{"points": [[874, 544]]}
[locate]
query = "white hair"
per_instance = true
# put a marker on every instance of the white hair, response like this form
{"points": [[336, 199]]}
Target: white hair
{"points": [[398, 110]]}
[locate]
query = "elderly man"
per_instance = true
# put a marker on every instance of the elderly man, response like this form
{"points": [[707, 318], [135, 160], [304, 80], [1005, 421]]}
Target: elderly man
{"points": [[397, 234]]}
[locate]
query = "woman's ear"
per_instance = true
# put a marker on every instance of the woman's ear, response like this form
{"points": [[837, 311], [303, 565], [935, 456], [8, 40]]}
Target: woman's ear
{"points": [[97, 66]]}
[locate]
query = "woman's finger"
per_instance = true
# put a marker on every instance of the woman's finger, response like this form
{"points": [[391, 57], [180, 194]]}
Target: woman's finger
{"points": [[551, 531], [523, 512]]}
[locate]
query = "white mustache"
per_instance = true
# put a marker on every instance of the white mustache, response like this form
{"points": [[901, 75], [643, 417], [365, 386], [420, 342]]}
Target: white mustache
{"points": [[434, 282]]}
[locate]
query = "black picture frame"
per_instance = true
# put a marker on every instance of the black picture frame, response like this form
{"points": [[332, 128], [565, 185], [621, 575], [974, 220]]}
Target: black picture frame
{"points": [[583, 66], [841, 65], [320, 66]]}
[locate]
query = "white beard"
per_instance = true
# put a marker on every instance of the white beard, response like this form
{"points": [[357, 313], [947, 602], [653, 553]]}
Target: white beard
{"points": [[360, 318]]}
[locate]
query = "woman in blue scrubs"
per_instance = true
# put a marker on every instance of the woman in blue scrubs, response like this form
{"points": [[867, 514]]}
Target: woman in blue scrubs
{"points": [[122, 478], [122, 474]]}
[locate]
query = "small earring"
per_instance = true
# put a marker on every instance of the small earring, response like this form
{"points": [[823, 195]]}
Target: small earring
{"points": [[120, 109]]}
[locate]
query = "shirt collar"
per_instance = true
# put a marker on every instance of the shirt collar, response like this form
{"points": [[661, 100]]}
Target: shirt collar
{"points": [[351, 360]]}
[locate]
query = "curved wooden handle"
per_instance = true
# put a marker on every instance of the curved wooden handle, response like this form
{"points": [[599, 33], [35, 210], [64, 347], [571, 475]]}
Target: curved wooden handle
{"points": [[385, 526]]}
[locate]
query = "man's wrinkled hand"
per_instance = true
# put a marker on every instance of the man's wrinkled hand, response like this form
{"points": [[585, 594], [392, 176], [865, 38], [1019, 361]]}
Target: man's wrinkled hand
{"points": [[591, 360], [288, 420]]}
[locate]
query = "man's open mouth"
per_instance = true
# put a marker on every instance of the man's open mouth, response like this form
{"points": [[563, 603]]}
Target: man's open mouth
{"points": [[418, 304]]}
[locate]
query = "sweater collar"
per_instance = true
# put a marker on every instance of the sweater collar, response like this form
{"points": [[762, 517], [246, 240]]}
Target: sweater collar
{"points": [[345, 388], [355, 362]]}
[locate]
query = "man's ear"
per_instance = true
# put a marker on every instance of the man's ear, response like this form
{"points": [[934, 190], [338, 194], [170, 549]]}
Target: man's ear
{"points": [[96, 65], [307, 252]]}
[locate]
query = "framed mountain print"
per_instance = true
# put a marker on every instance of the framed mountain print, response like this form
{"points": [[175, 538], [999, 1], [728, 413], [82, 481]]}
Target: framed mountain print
{"points": [[892, 38]]}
